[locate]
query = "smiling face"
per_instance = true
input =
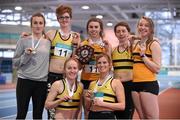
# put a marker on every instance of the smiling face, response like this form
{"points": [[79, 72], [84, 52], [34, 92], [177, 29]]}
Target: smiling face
{"points": [[71, 69], [145, 27], [104, 64], [94, 29], [122, 33], [37, 24], [64, 20]]}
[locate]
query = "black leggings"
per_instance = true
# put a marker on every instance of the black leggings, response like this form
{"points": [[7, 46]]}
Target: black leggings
{"points": [[26, 89], [101, 115], [129, 107]]}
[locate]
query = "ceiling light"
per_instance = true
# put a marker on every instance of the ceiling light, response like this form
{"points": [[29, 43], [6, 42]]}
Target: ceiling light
{"points": [[18, 8], [99, 16], [109, 24], [6, 11], [85, 7]]}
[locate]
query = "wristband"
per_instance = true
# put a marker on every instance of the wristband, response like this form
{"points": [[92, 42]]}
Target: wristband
{"points": [[143, 55]]}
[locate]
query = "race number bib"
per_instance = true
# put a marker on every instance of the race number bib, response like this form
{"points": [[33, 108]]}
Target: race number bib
{"points": [[91, 68], [62, 50]]}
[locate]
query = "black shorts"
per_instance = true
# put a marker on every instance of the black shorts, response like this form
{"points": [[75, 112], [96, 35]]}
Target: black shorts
{"points": [[152, 87], [86, 83], [101, 115]]}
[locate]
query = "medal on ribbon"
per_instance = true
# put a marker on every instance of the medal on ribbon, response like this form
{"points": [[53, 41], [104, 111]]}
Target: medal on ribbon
{"points": [[70, 92], [34, 47]]}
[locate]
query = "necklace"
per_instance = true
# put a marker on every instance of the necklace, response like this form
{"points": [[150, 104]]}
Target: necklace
{"points": [[34, 47], [97, 41], [65, 35], [123, 47]]}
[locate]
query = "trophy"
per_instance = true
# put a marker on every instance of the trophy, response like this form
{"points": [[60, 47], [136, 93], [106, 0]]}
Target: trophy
{"points": [[85, 53]]}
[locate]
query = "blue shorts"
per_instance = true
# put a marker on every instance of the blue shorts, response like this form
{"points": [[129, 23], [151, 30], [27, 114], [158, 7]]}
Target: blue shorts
{"points": [[152, 87]]}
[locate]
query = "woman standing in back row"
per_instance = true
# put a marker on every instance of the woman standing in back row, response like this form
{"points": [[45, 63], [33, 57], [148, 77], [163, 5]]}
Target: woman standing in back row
{"points": [[147, 63], [64, 43], [123, 66], [32, 61], [95, 39]]}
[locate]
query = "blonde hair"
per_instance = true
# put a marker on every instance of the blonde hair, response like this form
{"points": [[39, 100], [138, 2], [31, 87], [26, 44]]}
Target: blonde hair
{"points": [[107, 57], [151, 26]]}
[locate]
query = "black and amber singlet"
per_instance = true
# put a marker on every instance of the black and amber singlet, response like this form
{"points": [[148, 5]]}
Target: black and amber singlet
{"points": [[90, 71], [106, 89], [74, 103], [122, 61], [141, 73], [61, 48]]}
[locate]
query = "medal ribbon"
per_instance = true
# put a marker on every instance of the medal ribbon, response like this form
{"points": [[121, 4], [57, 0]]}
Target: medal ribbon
{"points": [[108, 77], [37, 44], [70, 92]]}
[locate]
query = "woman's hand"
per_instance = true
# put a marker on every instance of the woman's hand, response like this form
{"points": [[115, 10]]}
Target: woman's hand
{"points": [[142, 48], [29, 51], [108, 47], [106, 43], [89, 94], [133, 37], [76, 38], [65, 98], [24, 34], [97, 101]]}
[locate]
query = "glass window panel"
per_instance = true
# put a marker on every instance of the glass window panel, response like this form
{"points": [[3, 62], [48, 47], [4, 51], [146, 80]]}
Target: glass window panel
{"points": [[17, 16], [8, 54], [178, 54]]}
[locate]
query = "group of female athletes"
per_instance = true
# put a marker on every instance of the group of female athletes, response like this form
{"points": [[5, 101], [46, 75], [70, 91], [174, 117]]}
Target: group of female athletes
{"points": [[114, 82]]}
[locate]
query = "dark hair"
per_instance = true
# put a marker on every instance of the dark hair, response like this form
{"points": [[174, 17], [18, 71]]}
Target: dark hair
{"points": [[38, 14], [125, 24], [61, 9], [100, 23]]}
